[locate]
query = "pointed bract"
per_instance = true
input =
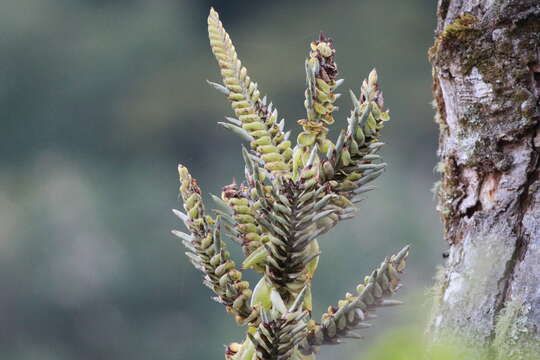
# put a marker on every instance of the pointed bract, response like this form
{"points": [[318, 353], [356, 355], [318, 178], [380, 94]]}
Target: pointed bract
{"points": [[289, 199]]}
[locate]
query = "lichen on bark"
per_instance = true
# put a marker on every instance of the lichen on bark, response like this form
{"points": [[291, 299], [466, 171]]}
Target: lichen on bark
{"points": [[486, 85], [514, 337]]}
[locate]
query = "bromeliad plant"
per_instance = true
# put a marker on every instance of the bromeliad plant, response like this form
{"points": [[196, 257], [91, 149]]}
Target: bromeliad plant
{"points": [[291, 196]]}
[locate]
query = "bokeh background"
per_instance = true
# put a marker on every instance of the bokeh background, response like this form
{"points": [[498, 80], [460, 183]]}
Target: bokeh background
{"points": [[99, 100]]}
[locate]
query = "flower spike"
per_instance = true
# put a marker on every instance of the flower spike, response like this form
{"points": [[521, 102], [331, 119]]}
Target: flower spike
{"points": [[289, 199]]}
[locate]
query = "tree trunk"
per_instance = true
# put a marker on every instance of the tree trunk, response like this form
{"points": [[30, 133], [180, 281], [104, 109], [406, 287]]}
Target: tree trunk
{"points": [[486, 84]]}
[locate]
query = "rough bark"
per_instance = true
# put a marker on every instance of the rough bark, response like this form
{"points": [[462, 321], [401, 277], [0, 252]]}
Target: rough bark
{"points": [[486, 84]]}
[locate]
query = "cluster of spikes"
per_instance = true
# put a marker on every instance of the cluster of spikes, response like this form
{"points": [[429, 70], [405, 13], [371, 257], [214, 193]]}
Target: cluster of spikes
{"points": [[291, 196]]}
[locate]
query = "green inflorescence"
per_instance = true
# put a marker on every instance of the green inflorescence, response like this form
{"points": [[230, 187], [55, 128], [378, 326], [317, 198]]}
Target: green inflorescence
{"points": [[290, 197]]}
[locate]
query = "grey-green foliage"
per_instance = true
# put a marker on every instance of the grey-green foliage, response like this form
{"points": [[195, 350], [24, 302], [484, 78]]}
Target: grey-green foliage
{"points": [[290, 197]]}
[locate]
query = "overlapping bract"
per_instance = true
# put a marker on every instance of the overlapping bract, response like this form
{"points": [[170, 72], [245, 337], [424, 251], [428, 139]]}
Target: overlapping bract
{"points": [[281, 211], [281, 329], [353, 162], [256, 121], [238, 205], [342, 321], [209, 254], [321, 79], [277, 338], [290, 197]]}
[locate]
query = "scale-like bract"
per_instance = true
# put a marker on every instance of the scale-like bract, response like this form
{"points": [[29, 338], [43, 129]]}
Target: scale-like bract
{"points": [[289, 199]]}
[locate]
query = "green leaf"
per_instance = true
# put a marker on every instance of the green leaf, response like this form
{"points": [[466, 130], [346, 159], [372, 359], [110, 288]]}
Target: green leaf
{"points": [[261, 294]]}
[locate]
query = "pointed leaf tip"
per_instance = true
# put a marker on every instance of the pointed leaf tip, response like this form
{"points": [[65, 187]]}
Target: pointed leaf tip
{"points": [[312, 156], [354, 98], [277, 302], [403, 252], [297, 304], [180, 215], [391, 302], [237, 130], [222, 89]]}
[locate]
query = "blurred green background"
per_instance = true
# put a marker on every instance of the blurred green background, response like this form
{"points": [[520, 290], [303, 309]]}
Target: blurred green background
{"points": [[101, 99]]}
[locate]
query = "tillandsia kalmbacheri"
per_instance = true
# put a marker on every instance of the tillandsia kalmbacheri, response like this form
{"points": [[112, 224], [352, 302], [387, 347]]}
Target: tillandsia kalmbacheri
{"points": [[291, 196]]}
